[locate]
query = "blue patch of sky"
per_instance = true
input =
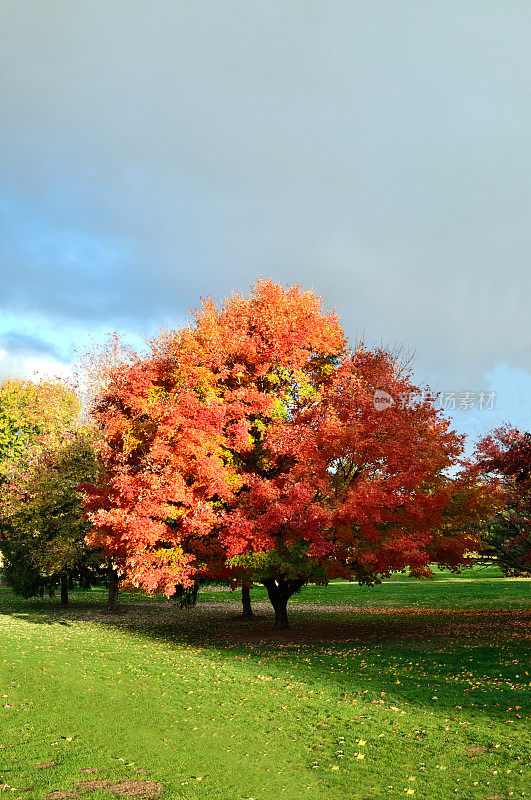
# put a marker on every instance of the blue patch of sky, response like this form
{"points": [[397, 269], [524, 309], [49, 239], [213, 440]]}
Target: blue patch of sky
{"points": [[57, 277], [50, 260], [48, 242], [512, 404]]}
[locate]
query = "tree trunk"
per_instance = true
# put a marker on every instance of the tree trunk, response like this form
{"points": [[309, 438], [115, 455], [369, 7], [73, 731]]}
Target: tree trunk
{"points": [[281, 614], [64, 590], [112, 597], [186, 597], [280, 590], [247, 611]]}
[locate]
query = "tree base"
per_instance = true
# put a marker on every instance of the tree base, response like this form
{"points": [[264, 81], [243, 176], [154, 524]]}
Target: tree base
{"points": [[280, 590], [112, 597], [64, 591], [247, 612]]}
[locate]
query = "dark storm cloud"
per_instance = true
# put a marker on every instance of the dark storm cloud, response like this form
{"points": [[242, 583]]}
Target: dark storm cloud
{"points": [[379, 153], [16, 344]]}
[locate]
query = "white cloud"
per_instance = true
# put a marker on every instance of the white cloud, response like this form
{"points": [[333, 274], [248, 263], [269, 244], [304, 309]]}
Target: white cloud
{"points": [[32, 367]]}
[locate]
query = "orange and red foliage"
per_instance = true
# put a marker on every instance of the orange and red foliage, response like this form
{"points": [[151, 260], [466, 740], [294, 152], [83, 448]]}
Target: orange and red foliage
{"points": [[254, 431], [506, 454]]}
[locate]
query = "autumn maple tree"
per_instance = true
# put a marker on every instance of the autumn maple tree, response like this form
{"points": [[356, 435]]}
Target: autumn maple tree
{"points": [[505, 453], [248, 446]]}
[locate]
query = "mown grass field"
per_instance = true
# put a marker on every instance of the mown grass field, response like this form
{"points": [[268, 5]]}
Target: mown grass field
{"points": [[408, 689]]}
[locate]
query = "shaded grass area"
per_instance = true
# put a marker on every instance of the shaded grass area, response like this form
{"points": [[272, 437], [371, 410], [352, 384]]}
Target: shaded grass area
{"points": [[348, 704]]}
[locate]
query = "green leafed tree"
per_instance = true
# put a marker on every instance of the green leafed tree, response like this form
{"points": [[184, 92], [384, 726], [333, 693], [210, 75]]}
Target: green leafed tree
{"points": [[46, 453], [31, 413]]}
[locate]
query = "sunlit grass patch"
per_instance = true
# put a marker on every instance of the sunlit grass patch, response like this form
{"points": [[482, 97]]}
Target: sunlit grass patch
{"points": [[349, 704]]}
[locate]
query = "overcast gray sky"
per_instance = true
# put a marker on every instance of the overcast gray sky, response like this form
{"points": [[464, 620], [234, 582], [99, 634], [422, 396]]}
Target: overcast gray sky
{"points": [[376, 152]]}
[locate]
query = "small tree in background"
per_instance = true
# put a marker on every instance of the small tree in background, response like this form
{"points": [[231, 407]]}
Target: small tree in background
{"points": [[45, 520], [506, 454], [47, 454], [29, 413]]}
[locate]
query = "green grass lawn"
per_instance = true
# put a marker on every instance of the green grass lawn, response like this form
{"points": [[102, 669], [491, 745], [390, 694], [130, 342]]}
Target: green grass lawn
{"points": [[359, 700]]}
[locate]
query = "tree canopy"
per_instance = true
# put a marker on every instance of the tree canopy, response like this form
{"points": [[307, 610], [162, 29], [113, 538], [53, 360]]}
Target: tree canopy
{"points": [[31, 411], [506, 454], [249, 445]]}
